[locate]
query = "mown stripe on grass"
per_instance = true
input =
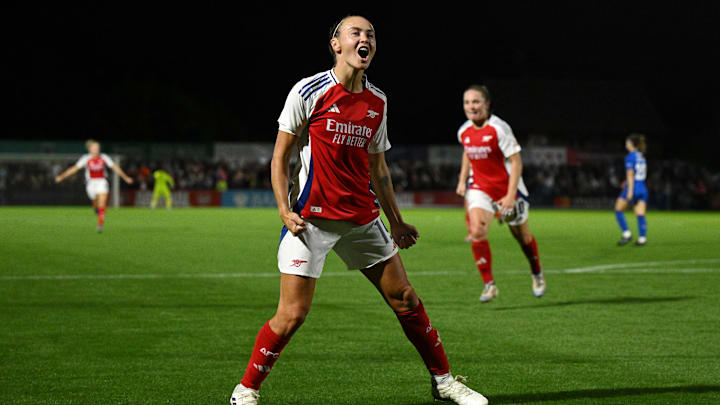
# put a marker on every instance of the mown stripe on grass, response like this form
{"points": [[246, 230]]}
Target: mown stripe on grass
{"points": [[637, 267]]}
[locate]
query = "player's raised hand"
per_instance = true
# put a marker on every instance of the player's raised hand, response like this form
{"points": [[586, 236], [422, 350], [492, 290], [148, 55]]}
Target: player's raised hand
{"points": [[405, 235], [128, 179], [461, 189], [294, 223]]}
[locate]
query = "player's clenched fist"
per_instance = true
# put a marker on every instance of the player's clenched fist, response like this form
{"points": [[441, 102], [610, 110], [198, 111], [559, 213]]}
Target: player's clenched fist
{"points": [[461, 189], [405, 235], [294, 223]]}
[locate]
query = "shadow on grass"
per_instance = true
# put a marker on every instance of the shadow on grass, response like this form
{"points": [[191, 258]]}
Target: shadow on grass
{"points": [[91, 305], [600, 393], [600, 301]]}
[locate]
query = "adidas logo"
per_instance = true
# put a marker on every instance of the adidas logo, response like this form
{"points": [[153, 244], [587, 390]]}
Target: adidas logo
{"points": [[334, 109], [482, 260]]}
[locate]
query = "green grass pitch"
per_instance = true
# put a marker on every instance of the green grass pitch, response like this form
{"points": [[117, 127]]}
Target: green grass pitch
{"points": [[163, 308]]}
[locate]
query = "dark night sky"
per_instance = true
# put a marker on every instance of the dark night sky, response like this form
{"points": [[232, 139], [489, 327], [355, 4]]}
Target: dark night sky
{"points": [[221, 72]]}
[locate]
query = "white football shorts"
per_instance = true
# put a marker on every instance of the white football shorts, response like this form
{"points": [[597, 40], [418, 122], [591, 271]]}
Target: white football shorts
{"points": [[480, 199], [95, 187], [359, 246]]}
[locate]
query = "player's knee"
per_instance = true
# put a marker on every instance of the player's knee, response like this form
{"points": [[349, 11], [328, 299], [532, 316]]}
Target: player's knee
{"points": [[479, 231], [291, 319], [296, 318]]}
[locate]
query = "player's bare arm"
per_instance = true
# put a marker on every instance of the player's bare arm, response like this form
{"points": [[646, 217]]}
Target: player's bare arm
{"points": [[507, 203], [405, 235], [630, 175], [463, 177], [122, 174], [279, 171], [67, 173]]}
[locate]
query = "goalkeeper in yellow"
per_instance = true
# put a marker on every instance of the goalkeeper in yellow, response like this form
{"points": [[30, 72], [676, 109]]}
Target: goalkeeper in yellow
{"points": [[163, 183]]}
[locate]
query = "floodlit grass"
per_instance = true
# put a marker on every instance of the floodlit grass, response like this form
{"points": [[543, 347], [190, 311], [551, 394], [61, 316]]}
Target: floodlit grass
{"points": [[163, 308]]}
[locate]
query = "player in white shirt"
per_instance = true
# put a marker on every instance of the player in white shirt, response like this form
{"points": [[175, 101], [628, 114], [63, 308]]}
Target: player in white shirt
{"points": [[96, 184], [336, 120]]}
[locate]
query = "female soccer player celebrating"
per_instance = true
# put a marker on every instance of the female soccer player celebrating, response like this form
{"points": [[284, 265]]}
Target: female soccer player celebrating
{"points": [[634, 191], [97, 186], [493, 153], [337, 122]]}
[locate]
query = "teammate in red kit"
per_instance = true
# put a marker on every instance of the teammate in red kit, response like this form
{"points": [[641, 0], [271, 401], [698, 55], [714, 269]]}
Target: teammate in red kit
{"points": [[97, 186], [336, 120], [491, 150]]}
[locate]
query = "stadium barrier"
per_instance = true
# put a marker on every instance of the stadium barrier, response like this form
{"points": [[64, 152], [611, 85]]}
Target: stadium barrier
{"points": [[192, 198], [429, 199], [248, 198], [265, 198], [33, 197]]}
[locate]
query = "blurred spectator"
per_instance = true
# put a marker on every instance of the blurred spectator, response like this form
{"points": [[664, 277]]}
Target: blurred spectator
{"points": [[672, 184], [142, 176]]}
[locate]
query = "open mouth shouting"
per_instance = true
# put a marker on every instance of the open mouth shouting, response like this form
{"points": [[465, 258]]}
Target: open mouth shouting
{"points": [[364, 53]]}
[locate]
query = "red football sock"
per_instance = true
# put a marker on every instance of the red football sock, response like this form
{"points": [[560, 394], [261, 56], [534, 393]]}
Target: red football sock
{"points": [[531, 252], [483, 259], [425, 338], [101, 216], [268, 346]]}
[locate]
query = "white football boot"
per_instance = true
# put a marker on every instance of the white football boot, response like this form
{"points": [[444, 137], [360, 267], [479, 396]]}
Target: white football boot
{"points": [[538, 285], [244, 396], [489, 292], [457, 392]]}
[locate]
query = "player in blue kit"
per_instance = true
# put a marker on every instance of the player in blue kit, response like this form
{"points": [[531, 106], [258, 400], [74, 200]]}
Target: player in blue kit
{"points": [[635, 191]]}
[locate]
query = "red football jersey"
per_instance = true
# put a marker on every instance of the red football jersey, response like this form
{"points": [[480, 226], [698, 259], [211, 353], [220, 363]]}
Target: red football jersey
{"points": [[94, 165], [488, 148], [337, 130]]}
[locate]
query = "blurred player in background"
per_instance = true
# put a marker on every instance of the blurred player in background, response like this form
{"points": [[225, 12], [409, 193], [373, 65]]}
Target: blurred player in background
{"points": [[97, 186], [336, 121], [493, 154], [634, 191], [163, 183]]}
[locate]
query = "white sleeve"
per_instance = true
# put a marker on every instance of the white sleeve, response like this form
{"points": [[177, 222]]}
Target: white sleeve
{"points": [[295, 114], [109, 162], [82, 161], [506, 140], [462, 129], [380, 142]]}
